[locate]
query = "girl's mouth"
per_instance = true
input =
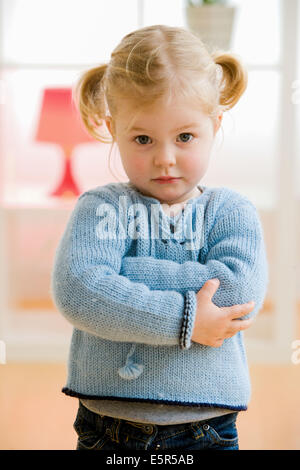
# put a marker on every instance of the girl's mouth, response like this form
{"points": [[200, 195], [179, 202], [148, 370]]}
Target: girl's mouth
{"points": [[166, 179]]}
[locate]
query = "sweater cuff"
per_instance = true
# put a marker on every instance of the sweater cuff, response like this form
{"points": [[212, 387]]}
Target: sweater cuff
{"points": [[190, 307]]}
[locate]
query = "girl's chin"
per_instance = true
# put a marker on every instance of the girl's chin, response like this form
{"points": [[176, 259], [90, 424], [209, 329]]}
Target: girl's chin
{"points": [[168, 193]]}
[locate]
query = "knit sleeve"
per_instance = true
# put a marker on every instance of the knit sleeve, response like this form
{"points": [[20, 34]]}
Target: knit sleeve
{"points": [[87, 288], [235, 255]]}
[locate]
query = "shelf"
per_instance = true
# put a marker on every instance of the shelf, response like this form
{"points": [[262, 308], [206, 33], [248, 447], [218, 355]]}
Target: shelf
{"points": [[29, 198], [38, 336]]}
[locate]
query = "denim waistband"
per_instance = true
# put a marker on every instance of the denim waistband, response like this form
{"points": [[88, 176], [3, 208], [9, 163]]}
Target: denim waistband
{"points": [[147, 434]]}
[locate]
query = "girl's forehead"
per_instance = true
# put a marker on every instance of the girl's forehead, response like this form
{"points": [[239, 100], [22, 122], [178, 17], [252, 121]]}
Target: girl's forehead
{"points": [[170, 118], [128, 110]]}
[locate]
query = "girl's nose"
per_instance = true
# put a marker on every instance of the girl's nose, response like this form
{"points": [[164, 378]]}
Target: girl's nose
{"points": [[164, 156]]}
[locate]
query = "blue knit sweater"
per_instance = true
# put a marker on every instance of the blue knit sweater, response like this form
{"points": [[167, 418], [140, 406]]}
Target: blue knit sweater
{"points": [[126, 275]]}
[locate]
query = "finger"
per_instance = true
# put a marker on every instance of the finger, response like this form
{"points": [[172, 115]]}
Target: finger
{"points": [[237, 311], [239, 325], [209, 288]]}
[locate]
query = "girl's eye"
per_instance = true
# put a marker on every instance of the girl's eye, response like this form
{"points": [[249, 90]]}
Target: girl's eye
{"points": [[142, 139], [185, 136]]}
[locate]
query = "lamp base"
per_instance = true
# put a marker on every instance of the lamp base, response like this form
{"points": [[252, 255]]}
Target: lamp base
{"points": [[67, 187]]}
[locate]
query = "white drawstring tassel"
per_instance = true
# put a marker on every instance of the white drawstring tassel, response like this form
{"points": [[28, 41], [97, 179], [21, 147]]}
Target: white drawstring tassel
{"points": [[131, 370]]}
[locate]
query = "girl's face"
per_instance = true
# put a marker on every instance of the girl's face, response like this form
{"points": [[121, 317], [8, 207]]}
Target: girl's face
{"points": [[173, 141]]}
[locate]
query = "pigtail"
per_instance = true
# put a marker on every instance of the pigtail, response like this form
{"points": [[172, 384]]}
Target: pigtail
{"points": [[234, 78], [89, 96]]}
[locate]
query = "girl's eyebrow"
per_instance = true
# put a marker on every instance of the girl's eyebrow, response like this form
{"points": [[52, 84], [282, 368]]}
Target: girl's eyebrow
{"points": [[192, 124]]}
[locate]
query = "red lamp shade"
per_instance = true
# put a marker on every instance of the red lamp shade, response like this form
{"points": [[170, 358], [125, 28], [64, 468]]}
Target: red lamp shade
{"points": [[60, 123]]}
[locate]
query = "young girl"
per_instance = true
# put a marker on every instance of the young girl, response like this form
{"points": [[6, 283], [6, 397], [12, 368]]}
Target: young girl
{"points": [[156, 274]]}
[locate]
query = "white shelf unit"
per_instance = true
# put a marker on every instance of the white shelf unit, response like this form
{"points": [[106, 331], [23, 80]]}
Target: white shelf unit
{"points": [[31, 333], [285, 227]]}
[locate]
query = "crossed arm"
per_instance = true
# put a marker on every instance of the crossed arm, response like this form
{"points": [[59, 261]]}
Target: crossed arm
{"points": [[131, 299], [235, 256]]}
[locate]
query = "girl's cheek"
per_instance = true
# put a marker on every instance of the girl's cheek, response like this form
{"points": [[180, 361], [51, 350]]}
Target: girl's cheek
{"points": [[195, 163], [139, 164]]}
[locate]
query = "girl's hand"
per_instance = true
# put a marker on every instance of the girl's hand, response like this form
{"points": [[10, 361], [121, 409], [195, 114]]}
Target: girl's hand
{"points": [[213, 324]]}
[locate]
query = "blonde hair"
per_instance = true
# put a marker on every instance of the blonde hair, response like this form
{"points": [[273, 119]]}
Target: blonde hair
{"points": [[159, 62]]}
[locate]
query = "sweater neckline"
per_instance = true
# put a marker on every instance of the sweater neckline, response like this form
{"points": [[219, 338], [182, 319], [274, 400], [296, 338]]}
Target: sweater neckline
{"points": [[165, 221]]}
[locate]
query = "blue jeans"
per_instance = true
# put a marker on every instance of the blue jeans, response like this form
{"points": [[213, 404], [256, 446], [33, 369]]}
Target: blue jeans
{"points": [[96, 432]]}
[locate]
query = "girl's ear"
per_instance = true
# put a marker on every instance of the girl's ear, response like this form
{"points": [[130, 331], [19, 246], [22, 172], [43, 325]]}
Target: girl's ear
{"points": [[218, 122]]}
